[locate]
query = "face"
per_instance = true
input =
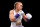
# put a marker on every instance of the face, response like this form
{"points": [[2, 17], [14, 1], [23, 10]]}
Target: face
{"points": [[19, 6]]}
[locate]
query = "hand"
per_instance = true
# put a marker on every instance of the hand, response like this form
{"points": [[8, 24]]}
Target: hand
{"points": [[21, 12], [29, 16]]}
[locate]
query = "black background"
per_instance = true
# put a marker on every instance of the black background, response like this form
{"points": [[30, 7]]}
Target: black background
{"points": [[27, 8]]}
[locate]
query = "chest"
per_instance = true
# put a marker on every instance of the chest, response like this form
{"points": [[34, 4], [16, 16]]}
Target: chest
{"points": [[19, 18]]}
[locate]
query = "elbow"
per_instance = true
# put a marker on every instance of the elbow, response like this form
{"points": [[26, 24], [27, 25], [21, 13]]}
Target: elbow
{"points": [[12, 20]]}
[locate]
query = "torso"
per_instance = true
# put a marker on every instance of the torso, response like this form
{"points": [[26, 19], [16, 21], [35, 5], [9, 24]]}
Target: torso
{"points": [[18, 19]]}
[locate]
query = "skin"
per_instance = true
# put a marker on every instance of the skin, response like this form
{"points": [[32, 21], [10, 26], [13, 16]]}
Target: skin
{"points": [[19, 7]]}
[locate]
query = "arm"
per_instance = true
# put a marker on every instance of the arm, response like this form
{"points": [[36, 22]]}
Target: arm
{"points": [[27, 17], [11, 17], [24, 17]]}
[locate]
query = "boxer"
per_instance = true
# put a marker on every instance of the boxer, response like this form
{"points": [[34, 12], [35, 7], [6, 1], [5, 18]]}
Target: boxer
{"points": [[17, 14]]}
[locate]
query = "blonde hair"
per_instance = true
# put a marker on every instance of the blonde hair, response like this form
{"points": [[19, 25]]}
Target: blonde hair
{"points": [[16, 4]]}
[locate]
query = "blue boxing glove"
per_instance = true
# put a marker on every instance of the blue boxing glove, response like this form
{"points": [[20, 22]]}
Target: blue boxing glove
{"points": [[19, 13], [29, 16]]}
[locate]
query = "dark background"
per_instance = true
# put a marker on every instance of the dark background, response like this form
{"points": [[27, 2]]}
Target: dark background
{"points": [[27, 8]]}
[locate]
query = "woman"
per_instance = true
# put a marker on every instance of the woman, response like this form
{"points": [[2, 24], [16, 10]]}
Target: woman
{"points": [[14, 16]]}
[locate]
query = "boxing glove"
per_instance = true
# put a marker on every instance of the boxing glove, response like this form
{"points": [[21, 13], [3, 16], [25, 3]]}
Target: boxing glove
{"points": [[19, 13], [29, 16]]}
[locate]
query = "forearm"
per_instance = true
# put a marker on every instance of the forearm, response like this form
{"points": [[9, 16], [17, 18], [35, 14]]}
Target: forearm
{"points": [[12, 18], [25, 20], [24, 17]]}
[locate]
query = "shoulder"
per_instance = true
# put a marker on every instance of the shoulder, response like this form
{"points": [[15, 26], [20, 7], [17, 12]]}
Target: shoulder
{"points": [[11, 11]]}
